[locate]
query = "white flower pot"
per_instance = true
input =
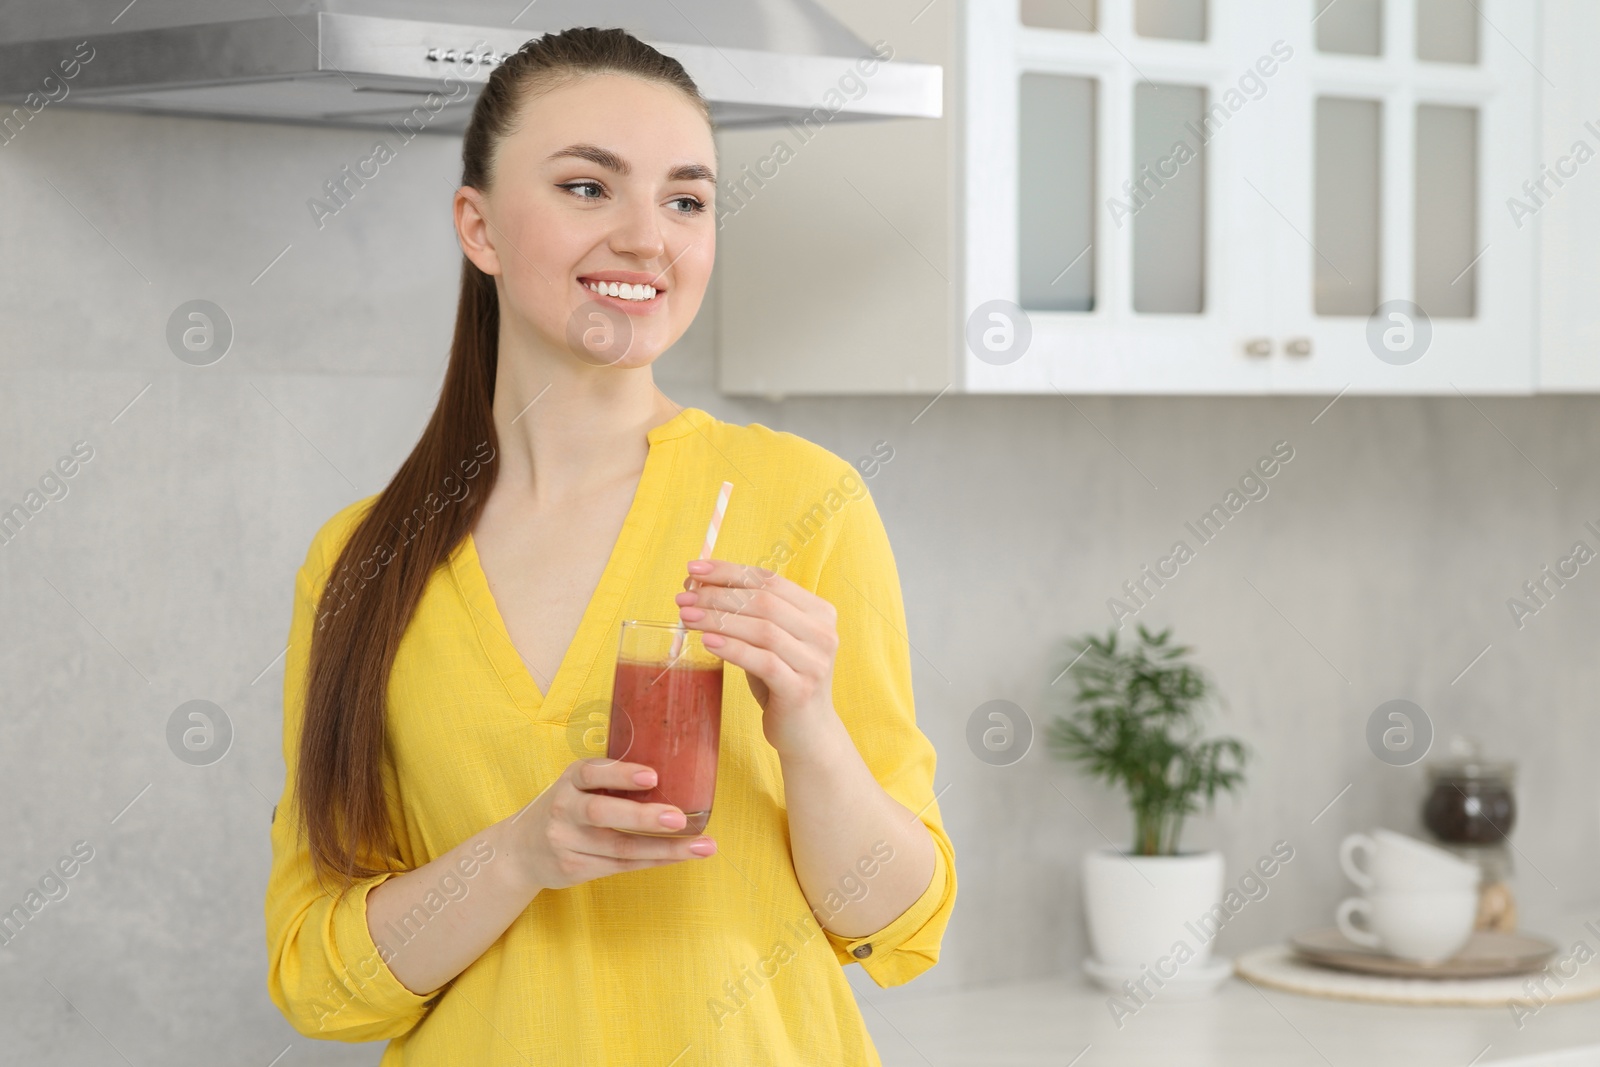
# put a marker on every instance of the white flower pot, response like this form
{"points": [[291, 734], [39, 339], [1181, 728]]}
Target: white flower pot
{"points": [[1139, 907]]}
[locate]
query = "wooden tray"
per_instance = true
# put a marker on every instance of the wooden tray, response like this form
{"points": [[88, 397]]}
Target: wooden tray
{"points": [[1486, 955], [1280, 967]]}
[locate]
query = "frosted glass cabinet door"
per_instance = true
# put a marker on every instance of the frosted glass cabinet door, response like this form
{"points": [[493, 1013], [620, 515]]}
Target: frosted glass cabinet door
{"points": [[1103, 222], [1400, 270]]}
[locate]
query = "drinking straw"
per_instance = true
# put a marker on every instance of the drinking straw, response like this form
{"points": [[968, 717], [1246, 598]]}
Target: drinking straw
{"points": [[705, 553]]}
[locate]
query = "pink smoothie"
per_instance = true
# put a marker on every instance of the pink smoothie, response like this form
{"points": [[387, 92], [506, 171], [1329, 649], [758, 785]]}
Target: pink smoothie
{"points": [[669, 719]]}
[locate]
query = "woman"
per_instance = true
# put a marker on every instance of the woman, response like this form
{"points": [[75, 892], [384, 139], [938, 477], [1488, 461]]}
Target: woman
{"points": [[444, 873]]}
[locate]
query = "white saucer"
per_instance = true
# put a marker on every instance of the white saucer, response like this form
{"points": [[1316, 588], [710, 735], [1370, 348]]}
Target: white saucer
{"points": [[1193, 980]]}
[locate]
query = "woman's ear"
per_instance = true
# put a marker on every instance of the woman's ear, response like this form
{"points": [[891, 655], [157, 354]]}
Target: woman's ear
{"points": [[474, 231]]}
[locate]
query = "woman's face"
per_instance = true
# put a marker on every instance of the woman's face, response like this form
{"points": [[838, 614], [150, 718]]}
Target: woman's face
{"points": [[607, 178]]}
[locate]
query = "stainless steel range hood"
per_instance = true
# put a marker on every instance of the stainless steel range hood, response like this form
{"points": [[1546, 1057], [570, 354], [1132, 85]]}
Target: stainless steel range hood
{"points": [[372, 64]]}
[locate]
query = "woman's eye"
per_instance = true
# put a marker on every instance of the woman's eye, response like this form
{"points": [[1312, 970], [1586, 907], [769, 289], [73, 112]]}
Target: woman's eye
{"points": [[695, 205]]}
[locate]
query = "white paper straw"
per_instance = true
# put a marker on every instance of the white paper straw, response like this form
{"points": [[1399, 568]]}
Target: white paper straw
{"points": [[705, 553]]}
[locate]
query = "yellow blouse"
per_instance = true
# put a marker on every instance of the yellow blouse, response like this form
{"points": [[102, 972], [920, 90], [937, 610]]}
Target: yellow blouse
{"points": [[714, 961]]}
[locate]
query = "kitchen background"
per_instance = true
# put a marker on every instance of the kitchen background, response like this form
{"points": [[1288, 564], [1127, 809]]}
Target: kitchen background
{"points": [[1378, 566]]}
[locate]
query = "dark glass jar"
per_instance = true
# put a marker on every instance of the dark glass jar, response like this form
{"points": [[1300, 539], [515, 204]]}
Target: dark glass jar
{"points": [[1470, 800]]}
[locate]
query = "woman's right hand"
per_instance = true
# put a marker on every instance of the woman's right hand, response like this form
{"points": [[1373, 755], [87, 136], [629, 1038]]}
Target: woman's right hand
{"points": [[569, 835]]}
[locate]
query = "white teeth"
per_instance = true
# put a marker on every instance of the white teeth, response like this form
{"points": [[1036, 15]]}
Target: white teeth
{"points": [[623, 290]]}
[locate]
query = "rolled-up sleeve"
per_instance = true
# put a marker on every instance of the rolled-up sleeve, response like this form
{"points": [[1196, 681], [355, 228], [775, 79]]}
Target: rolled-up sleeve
{"points": [[324, 972], [872, 694]]}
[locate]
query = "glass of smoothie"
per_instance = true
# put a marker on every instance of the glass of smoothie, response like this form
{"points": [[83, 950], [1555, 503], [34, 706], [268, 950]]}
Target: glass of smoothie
{"points": [[666, 713]]}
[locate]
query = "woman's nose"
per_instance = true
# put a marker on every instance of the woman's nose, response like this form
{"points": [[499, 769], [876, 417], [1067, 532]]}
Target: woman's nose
{"points": [[638, 232]]}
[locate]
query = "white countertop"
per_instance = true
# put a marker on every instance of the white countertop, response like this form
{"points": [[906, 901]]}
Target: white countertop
{"points": [[1050, 1023], [1047, 1024], [1040, 1023]]}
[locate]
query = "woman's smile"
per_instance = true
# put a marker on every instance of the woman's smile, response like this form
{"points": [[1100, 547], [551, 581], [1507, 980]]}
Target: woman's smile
{"points": [[633, 292]]}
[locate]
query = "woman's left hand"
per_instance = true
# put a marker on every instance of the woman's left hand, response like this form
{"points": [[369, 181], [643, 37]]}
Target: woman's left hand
{"points": [[782, 635]]}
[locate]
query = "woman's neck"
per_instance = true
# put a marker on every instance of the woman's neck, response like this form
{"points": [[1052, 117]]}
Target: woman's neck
{"points": [[565, 430]]}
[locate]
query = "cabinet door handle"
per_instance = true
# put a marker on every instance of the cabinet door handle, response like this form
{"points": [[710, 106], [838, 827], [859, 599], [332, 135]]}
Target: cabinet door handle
{"points": [[1298, 346], [1258, 346]]}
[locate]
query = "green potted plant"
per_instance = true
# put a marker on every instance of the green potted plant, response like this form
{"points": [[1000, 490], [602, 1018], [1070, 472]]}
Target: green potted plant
{"points": [[1137, 724]]}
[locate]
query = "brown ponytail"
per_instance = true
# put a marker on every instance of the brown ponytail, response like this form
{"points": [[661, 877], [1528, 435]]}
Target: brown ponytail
{"points": [[339, 795]]}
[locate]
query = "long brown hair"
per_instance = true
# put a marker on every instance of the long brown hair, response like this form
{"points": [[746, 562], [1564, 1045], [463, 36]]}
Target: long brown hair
{"points": [[419, 518]]}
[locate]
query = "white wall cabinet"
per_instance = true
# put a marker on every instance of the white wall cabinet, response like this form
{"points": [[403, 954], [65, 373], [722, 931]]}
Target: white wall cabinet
{"points": [[1181, 196], [1567, 201]]}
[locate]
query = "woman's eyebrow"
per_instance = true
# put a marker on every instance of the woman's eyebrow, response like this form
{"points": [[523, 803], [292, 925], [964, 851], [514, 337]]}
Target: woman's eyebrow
{"points": [[604, 157], [691, 172]]}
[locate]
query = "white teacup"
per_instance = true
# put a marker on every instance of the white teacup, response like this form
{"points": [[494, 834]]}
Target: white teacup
{"points": [[1395, 862], [1424, 927]]}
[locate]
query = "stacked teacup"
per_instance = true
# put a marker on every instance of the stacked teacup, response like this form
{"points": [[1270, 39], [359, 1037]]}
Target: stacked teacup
{"points": [[1420, 902]]}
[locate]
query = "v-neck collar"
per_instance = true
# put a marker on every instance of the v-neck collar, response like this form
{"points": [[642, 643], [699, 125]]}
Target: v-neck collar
{"points": [[601, 616]]}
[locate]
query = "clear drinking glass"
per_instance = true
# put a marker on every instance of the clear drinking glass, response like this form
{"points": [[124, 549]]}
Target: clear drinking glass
{"points": [[666, 713]]}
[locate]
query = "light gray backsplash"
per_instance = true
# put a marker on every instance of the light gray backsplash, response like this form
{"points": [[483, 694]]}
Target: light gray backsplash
{"points": [[1378, 566]]}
